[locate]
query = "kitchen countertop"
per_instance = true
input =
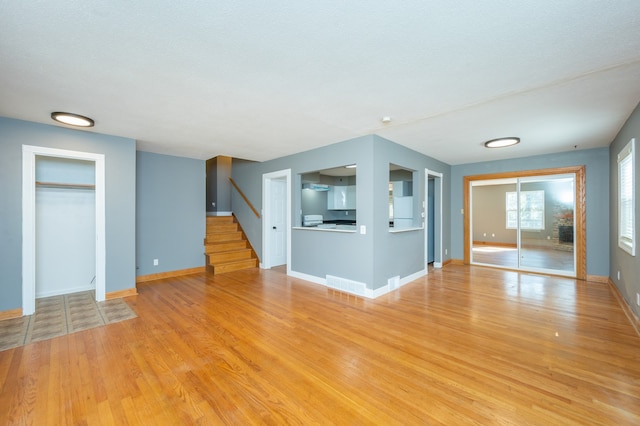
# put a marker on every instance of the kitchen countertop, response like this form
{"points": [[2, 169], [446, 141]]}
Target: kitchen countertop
{"points": [[332, 225], [340, 222]]}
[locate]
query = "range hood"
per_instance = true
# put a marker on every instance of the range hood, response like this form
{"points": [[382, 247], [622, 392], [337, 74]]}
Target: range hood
{"points": [[315, 186]]}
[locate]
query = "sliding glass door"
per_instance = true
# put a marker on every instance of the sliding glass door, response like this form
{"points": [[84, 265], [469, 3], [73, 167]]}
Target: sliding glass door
{"points": [[495, 218], [524, 223], [546, 227]]}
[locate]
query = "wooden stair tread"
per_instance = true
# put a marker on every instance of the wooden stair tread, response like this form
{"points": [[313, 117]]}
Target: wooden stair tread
{"points": [[223, 236], [226, 227], [229, 255], [237, 265], [220, 219], [217, 247], [226, 248]]}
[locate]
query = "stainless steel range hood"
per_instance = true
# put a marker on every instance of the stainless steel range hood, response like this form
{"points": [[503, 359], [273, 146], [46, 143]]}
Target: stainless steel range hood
{"points": [[315, 186]]}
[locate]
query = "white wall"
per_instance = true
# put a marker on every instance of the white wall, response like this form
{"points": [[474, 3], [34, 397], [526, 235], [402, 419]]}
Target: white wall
{"points": [[65, 241], [65, 227]]}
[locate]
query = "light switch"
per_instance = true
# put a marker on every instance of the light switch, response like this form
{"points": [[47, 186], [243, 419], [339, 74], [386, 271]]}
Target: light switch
{"points": [[363, 229]]}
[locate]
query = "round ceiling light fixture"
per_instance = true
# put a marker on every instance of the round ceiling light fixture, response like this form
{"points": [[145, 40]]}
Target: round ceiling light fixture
{"points": [[502, 142], [72, 119]]}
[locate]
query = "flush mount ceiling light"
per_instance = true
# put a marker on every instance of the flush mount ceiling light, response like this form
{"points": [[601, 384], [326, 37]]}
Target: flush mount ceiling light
{"points": [[386, 120], [72, 119], [501, 142]]}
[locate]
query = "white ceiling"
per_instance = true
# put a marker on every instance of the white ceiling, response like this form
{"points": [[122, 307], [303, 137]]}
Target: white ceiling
{"points": [[260, 80]]}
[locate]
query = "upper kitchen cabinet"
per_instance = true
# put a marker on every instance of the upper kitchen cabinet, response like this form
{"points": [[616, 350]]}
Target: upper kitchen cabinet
{"points": [[402, 188], [341, 197]]}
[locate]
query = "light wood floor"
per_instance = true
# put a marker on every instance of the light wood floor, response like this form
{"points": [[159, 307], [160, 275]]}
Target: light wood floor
{"points": [[60, 315], [464, 345], [531, 257]]}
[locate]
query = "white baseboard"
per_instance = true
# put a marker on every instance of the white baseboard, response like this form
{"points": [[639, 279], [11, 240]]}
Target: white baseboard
{"points": [[369, 293], [403, 281], [413, 277], [306, 277]]}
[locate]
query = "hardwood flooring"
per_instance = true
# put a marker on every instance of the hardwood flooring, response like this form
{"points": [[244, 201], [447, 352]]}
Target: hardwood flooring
{"points": [[59, 315], [531, 257], [463, 345]]}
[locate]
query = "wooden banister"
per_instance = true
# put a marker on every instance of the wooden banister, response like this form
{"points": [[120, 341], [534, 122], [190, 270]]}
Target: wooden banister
{"points": [[244, 197]]}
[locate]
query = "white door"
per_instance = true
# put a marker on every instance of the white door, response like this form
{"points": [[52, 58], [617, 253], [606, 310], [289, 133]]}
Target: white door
{"points": [[278, 223]]}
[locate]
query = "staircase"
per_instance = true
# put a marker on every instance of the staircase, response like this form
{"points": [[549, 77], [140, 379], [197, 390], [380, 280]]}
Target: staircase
{"points": [[225, 247]]}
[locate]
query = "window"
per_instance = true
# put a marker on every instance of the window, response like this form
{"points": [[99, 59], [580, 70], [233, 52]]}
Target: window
{"points": [[626, 199], [531, 210]]}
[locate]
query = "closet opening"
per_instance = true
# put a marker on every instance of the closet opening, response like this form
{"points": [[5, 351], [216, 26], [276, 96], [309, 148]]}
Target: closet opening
{"points": [[63, 223], [65, 226]]}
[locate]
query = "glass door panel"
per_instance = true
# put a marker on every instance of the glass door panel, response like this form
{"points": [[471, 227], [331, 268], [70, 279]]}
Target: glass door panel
{"points": [[545, 223], [493, 241]]}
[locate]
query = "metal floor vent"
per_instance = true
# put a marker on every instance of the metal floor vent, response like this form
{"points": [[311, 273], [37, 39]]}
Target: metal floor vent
{"points": [[349, 286]]}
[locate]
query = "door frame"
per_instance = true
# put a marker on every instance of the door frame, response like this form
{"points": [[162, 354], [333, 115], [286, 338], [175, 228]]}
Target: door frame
{"points": [[580, 221], [437, 208], [266, 216], [29, 154]]}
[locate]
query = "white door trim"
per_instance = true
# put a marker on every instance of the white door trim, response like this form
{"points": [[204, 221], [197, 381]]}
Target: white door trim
{"points": [[266, 216], [29, 154], [437, 199]]}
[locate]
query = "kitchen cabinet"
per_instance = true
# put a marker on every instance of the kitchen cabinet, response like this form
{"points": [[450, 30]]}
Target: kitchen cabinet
{"points": [[402, 188], [402, 212], [341, 197]]}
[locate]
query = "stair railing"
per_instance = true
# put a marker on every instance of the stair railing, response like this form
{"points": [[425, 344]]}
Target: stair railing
{"points": [[244, 197]]}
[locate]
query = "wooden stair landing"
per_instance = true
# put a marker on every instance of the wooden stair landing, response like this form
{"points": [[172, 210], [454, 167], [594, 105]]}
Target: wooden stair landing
{"points": [[226, 248]]}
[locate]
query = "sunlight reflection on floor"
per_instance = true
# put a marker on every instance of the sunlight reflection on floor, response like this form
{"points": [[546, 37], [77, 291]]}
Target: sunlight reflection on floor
{"points": [[493, 249]]}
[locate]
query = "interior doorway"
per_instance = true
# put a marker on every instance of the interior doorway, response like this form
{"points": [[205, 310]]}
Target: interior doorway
{"points": [[433, 218], [29, 229], [65, 226], [532, 221], [276, 219]]}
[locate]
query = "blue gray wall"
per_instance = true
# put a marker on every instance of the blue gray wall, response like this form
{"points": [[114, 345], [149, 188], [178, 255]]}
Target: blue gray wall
{"points": [[371, 258], [629, 266], [403, 253], [597, 187], [170, 213], [120, 157]]}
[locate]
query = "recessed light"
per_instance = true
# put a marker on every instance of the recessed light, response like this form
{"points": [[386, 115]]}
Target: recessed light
{"points": [[72, 119], [501, 142], [386, 120]]}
